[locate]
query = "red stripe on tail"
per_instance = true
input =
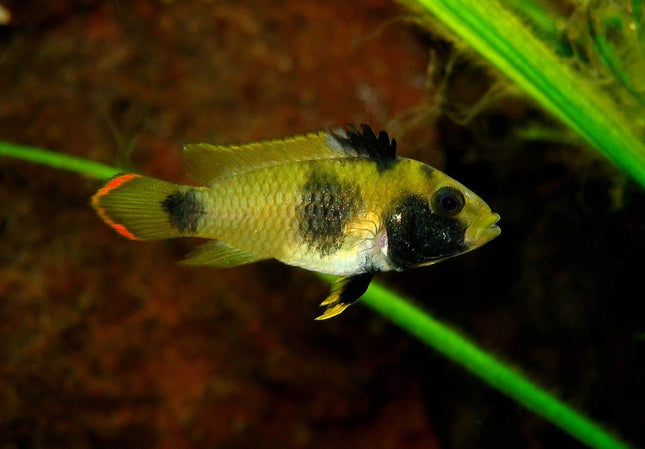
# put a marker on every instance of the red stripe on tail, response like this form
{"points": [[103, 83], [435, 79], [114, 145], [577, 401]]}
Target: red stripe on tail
{"points": [[114, 183], [106, 189]]}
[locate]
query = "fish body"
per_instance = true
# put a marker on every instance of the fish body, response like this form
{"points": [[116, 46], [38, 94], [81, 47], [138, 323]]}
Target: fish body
{"points": [[336, 202]]}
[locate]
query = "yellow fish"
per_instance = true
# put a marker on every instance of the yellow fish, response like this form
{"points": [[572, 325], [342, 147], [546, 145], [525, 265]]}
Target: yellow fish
{"points": [[338, 202]]}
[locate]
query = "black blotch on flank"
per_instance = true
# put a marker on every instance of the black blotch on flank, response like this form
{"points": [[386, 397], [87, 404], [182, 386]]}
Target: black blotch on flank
{"points": [[386, 164], [427, 171], [184, 210], [366, 144], [326, 206], [417, 236]]}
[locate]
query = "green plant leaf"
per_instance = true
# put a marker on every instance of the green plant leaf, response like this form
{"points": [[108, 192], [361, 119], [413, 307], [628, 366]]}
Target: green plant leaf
{"points": [[501, 37]]}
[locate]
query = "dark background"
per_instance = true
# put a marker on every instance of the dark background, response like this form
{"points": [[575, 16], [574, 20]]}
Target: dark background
{"points": [[106, 343]]}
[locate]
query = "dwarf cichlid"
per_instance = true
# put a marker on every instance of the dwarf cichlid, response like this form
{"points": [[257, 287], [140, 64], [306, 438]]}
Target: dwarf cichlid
{"points": [[337, 202]]}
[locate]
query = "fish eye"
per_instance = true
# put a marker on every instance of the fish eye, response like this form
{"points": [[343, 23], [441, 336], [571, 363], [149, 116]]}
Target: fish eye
{"points": [[448, 201]]}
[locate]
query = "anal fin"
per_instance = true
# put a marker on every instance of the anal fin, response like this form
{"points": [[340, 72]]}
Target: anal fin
{"points": [[345, 292], [218, 254]]}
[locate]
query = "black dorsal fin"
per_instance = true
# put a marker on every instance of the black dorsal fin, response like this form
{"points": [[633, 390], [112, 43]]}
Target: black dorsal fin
{"points": [[365, 143]]}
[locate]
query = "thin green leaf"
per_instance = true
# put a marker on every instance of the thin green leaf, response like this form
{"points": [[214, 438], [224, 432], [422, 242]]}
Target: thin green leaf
{"points": [[65, 162]]}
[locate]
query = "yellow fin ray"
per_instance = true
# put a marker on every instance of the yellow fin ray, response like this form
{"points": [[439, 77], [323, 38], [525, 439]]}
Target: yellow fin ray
{"points": [[133, 206], [345, 292], [332, 311], [206, 163], [218, 254]]}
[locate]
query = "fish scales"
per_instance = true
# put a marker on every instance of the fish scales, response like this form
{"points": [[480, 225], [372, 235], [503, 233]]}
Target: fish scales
{"points": [[303, 213]]}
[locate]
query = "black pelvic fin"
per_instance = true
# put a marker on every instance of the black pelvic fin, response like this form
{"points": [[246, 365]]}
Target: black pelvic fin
{"points": [[345, 292], [365, 143]]}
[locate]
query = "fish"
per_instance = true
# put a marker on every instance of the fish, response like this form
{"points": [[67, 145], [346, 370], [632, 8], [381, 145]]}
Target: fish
{"points": [[339, 202]]}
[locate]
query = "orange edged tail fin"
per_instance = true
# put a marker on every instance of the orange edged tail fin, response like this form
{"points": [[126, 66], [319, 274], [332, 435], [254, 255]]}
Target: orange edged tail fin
{"points": [[143, 208]]}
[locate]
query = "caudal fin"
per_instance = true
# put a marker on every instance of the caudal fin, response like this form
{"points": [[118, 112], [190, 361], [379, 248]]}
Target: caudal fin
{"points": [[142, 208]]}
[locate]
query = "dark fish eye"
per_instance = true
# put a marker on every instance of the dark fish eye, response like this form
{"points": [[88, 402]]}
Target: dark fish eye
{"points": [[448, 202]]}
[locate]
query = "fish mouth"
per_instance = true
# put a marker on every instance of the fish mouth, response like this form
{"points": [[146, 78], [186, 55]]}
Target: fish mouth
{"points": [[483, 230]]}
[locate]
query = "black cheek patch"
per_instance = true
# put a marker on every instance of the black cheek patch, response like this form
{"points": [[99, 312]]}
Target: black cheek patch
{"points": [[417, 236], [326, 206], [184, 210]]}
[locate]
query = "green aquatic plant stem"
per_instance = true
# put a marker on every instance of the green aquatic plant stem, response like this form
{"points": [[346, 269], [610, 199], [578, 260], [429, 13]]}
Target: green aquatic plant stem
{"points": [[502, 377], [494, 31], [410, 318], [538, 17], [57, 160]]}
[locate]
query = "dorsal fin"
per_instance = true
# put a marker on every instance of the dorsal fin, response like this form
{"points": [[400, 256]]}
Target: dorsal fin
{"points": [[206, 163], [365, 143]]}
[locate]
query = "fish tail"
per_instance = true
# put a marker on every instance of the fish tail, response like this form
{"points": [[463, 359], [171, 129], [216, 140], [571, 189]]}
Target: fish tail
{"points": [[143, 208]]}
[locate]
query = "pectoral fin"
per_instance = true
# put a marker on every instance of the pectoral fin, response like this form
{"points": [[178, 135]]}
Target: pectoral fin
{"points": [[345, 292]]}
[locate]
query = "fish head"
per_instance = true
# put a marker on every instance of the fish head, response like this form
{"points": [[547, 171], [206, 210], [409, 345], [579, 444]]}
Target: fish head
{"points": [[440, 220]]}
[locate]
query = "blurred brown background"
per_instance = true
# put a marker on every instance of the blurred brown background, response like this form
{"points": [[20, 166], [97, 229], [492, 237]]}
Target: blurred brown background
{"points": [[106, 343]]}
